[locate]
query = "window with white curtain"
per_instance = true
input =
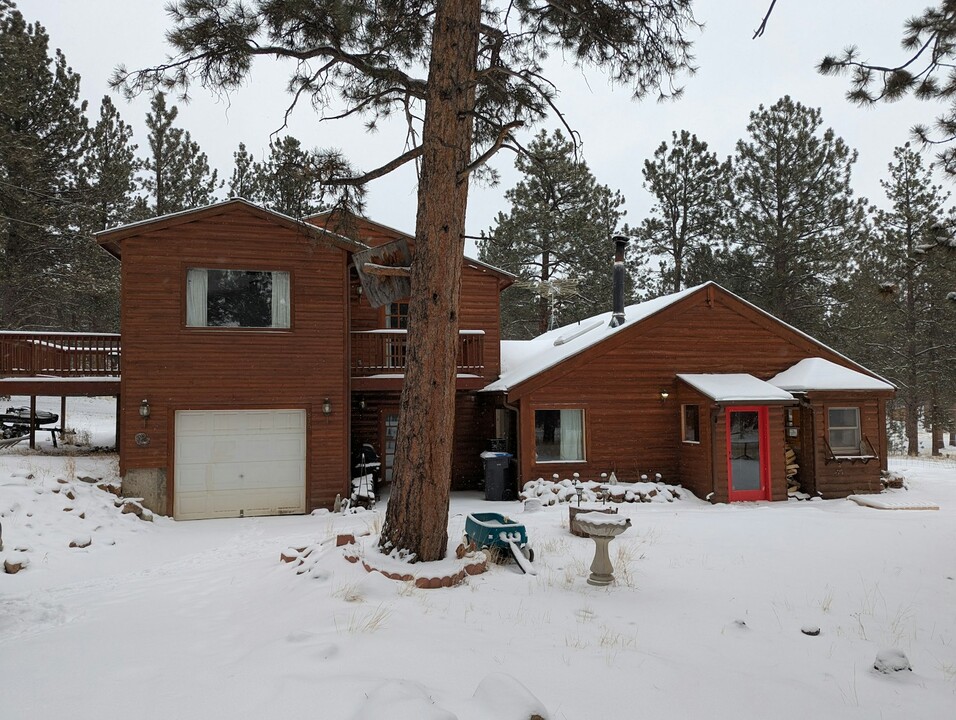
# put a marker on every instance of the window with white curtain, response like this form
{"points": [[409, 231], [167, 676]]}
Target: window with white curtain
{"points": [[238, 298], [559, 435]]}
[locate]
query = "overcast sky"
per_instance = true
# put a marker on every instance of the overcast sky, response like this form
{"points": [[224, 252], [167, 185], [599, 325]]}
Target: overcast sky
{"points": [[736, 74]]}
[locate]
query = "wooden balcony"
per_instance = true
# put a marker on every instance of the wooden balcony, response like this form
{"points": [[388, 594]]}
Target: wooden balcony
{"points": [[379, 356], [55, 354]]}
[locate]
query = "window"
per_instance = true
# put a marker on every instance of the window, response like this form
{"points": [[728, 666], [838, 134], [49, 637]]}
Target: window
{"points": [[396, 316], [559, 435], [690, 423], [237, 298], [844, 428]]}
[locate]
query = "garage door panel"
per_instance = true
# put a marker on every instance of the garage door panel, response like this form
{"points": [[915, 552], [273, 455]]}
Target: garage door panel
{"points": [[248, 462]]}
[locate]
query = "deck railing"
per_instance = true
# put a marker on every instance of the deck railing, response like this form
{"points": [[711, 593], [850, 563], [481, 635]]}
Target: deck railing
{"points": [[384, 352], [59, 354]]}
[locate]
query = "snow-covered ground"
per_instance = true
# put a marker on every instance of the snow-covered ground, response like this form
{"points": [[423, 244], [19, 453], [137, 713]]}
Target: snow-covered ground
{"points": [[200, 619]]}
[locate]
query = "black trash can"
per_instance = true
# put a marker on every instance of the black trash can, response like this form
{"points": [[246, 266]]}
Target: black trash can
{"points": [[498, 485]]}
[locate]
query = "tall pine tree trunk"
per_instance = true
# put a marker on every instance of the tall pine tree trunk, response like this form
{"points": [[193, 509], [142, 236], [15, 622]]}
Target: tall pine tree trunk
{"points": [[417, 516]]}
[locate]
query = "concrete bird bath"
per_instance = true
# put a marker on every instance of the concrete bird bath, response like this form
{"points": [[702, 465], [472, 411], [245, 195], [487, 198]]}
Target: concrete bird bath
{"points": [[602, 529]]}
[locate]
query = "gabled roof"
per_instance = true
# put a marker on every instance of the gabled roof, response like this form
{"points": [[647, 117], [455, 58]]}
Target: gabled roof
{"points": [[110, 239], [818, 374], [523, 360], [330, 219], [736, 388]]}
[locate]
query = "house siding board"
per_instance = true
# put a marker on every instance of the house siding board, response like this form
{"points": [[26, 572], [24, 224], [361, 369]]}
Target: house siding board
{"points": [[179, 368], [630, 430]]}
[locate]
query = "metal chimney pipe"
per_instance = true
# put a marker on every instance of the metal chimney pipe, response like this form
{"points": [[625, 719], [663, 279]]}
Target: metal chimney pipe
{"points": [[620, 245]]}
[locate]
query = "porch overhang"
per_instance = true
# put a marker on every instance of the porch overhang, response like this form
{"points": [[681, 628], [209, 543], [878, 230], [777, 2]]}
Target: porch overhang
{"points": [[736, 389]]}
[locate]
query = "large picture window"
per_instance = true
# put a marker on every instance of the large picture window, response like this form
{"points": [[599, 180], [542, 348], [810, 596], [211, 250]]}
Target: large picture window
{"points": [[844, 427], [237, 298], [559, 435]]}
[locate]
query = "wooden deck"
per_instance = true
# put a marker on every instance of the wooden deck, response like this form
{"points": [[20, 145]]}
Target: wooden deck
{"points": [[59, 364]]}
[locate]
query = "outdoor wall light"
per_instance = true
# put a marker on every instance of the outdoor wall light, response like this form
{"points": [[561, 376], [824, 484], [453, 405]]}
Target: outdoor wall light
{"points": [[664, 395], [327, 407], [144, 410], [361, 402]]}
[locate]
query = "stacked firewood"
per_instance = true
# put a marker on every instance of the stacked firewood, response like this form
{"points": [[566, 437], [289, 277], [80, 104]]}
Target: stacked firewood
{"points": [[793, 467]]}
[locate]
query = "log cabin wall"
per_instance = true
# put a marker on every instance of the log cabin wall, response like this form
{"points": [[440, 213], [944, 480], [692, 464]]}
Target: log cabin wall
{"points": [[839, 478], [695, 470], [179, 368], [474, 426], [618, 382]]}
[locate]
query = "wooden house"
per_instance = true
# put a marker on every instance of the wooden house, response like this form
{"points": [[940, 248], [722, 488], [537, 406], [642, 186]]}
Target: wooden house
{"points": [[699, 386], [252, 362]]}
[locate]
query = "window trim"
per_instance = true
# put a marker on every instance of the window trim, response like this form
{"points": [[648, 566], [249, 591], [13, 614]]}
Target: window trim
{"points": [[683, 423], [186, 266], [844, 450], [584, 434]]}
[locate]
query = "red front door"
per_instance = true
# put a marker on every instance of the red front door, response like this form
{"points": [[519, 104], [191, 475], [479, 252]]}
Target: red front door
{"points": [[748, 461]]}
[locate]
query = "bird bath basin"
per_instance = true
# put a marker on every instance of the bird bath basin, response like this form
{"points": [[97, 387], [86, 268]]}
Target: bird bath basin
{"points": [[601, 529]]}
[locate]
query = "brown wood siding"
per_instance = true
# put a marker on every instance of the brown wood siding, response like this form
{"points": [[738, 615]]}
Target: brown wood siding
{"points": [[696, 460], [474, 426], [835, 479], [618, 382], [179, 368]]}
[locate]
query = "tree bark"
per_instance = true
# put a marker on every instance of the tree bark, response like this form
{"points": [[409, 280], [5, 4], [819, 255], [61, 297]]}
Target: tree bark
{"points": [[417, 517]]}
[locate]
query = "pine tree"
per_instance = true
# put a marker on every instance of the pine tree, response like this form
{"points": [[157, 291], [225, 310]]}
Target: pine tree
{"points": [[555, 238], [688, 185], [288, 181], [896, 316], [107, 187], [793, 214], [42, 132], [178, 173], [484, 81], [244, 182]]}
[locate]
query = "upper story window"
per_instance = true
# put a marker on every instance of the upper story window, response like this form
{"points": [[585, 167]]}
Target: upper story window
{"points": [[238, 298], [396, 316], [690, 423], [843, 424]]}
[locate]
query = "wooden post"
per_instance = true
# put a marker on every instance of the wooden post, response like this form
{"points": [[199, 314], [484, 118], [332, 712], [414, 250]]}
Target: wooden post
{"points": [[62, 415], [119, 415], [33, 425]]}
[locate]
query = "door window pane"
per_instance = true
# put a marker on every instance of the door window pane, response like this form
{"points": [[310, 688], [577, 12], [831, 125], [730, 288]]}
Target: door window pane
{"points": [[745, 450]]}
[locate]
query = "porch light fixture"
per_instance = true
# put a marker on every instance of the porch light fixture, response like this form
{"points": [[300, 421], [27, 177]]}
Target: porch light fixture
{"points": [[144, 410], [361, 402], [327, 407], [665, 394]]}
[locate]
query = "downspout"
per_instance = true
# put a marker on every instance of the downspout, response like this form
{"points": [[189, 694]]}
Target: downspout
{"points": [[514, 409], [714, 451]]}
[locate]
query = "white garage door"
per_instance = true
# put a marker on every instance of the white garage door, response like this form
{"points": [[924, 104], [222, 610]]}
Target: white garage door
{"points": [[232, 463]]}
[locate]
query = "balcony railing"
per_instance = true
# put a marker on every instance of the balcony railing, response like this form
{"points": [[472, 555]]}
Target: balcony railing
{"points": [[31, 354], [384, 352]]}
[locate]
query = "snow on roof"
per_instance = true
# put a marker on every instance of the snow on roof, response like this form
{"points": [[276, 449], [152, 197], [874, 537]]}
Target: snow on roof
{"points": [[819, 374], [523, 359], [735, 387]]}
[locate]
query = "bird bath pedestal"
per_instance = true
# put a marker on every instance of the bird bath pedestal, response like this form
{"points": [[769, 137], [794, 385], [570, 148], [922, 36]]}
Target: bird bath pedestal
{"points": [[602, 529]]}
